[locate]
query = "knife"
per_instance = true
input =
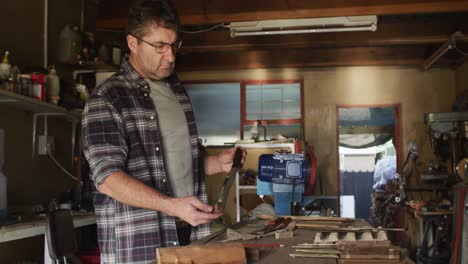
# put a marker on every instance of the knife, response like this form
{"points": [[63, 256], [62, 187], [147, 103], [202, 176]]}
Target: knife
{"points": [[228, 181]]}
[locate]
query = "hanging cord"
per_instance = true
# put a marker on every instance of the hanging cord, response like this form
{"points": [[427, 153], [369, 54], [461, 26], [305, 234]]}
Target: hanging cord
{"points": [[454, 43], [205, 30], [60, 166]]}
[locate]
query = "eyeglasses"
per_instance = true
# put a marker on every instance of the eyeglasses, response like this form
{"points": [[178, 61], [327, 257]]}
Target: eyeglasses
{"points": [[162, 47]]}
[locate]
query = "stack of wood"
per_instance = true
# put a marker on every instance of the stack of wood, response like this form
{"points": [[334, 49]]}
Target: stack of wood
{"points": [[368, 252], [350, 241]]}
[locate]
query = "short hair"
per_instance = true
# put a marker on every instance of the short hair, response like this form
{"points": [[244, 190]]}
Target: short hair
{"points": [[143, 13]]}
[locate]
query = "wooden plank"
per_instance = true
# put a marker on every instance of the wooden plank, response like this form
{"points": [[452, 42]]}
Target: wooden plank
{"points": [[296, 58], [213, 253], [212, 12], [312, 255], [354, 251], [345, 229], [306, 218]]}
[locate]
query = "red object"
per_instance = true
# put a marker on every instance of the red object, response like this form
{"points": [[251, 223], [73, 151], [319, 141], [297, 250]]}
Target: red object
{"points": [[38, 90], [313, 173], [297, 146], [90, 256], [462, 192]]}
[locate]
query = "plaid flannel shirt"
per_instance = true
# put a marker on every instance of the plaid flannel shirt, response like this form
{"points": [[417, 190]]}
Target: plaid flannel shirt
{"points": [[121, 133]]}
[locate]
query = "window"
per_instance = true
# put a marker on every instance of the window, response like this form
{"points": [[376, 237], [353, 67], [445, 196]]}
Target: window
{"points": [[225, 111], [277, 105], [217, 111]]}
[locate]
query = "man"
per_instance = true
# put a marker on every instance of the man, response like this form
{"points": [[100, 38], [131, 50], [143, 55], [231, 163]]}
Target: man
{"points": [[140, 140]]}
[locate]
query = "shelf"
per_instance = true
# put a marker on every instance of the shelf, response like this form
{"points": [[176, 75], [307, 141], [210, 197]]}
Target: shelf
{"points": [[247, 187], [30, 104], [38, 227]]}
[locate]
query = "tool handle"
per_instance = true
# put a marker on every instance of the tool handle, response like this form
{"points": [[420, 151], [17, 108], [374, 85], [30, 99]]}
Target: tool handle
{"points": [[237, 158]]}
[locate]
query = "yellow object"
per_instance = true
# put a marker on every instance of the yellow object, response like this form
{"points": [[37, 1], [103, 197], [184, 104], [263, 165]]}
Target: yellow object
{"points": [[5, 57]]}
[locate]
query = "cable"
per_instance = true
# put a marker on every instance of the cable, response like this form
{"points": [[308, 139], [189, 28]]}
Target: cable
{"points": [[60, 166], [204, 30], [461, 52]]}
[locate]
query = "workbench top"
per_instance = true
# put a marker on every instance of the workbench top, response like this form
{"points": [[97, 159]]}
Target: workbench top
{"points": [[37, 227]]}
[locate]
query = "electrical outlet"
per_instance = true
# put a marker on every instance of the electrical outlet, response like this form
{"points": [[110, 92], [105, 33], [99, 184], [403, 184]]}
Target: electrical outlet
{"points": [[45, 143]]}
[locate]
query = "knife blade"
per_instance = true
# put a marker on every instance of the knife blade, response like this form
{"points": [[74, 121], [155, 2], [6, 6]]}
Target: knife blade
{"points": [[228, 181]]}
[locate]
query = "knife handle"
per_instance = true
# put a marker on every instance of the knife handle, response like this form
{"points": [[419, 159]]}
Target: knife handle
{"points": [[237, 158]]}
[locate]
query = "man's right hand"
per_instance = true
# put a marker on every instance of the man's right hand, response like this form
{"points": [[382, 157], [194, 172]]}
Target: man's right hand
{"points": [[192, 210]]}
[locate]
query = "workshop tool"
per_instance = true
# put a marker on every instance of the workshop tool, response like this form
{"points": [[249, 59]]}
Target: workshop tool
{"points": [[210, 237], [279, 223], [228, 181], [307, 218], [285, 176], [330, 228], [232, 235]]}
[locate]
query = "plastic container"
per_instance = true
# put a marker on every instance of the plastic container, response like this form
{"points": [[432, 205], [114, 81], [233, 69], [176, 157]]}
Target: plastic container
{"points": [[5, 67], [53, 86], [70, 45]]}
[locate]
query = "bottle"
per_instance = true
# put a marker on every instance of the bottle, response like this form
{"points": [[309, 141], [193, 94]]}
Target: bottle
{"points": [[70, 45], [5, 67], [53, 86]]}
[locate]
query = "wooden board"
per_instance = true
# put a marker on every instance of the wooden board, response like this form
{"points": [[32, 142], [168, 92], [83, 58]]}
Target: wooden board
{"points": [[308, 218], [370, 252], [207, 254]]}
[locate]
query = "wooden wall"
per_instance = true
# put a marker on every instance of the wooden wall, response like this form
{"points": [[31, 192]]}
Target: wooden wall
{"points": [[22, 30], [462, 79], [32, 180]]}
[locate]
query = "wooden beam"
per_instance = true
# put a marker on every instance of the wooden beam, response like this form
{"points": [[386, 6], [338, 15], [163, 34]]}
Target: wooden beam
{"points": [[304, 57], [387, 34], [113, 13], [216, 11]]}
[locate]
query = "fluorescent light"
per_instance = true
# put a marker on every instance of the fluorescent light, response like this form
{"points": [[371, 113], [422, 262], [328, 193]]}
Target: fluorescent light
{"points": [[303, 25], [303, 31]]}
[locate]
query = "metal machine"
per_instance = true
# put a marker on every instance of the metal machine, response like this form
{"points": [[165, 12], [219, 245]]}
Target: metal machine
{"points": [[286, 177], [448, 133]]}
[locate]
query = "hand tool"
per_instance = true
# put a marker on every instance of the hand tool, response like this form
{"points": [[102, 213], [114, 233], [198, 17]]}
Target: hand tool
{"points": [[277, 224], [228, 181]]}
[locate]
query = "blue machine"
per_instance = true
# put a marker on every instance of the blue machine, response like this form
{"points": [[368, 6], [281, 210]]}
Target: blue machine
{"points": [[283, 176]]}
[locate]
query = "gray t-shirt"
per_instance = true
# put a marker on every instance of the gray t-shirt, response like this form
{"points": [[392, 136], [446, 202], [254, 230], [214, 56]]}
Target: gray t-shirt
{"points": [[175, 138]]}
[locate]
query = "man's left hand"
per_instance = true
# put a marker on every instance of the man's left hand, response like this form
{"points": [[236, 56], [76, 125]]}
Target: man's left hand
{"points": [[222, 162], [226, 158]]}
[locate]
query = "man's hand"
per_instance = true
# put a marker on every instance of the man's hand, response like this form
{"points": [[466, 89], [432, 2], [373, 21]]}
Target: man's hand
{"points": [[222, 162], [192, 210]]}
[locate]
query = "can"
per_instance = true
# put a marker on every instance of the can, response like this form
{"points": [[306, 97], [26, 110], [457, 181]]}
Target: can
{"points": [[38, 86]]}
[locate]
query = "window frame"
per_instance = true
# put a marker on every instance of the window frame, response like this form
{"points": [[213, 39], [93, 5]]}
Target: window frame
{"points": [[286, 121]]}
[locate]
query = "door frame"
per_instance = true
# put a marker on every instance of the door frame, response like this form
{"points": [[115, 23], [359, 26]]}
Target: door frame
{"points": [[398, 139]]}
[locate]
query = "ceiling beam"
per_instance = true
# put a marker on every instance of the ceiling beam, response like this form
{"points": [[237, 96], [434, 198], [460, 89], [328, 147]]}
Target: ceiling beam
{"points": [[113, 13], [303, 58], [216, 11]]}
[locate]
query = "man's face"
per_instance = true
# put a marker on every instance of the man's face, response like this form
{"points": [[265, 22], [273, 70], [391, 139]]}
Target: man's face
{"points": [[147, 61]]}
